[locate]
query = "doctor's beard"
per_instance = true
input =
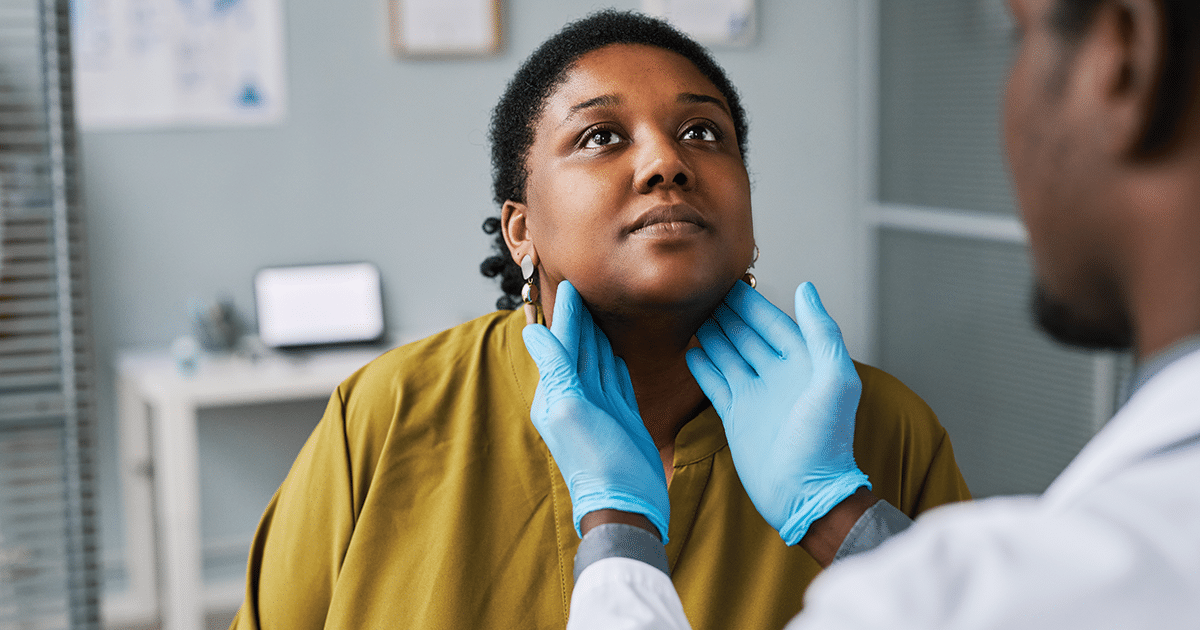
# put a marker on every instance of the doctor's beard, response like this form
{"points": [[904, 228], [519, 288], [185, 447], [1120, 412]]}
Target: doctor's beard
{"points": [[1057, 319]]}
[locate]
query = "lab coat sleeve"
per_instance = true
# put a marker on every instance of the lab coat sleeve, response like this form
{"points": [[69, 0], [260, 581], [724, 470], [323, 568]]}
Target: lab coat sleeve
{"points": [[621, 577], [1123, 555], [624, 594]]}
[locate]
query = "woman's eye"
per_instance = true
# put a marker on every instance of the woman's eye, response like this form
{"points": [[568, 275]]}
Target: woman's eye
{"points": [[700, 132], [601, 138]]}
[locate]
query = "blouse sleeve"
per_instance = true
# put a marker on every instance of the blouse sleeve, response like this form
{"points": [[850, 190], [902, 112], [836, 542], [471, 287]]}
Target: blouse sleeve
{"points": [[302, 538], [903, 449], [943, 482]]}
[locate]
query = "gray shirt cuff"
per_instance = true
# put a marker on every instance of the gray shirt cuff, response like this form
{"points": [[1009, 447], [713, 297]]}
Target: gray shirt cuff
{"points": [[880, 522], [618, 540]]}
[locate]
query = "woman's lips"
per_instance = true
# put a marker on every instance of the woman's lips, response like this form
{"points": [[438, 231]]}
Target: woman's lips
{"points": [[669, 229], [668, 221]]}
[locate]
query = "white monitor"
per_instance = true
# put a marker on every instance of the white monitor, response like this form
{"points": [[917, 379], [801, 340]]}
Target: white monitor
{"points": [[314, 305]]}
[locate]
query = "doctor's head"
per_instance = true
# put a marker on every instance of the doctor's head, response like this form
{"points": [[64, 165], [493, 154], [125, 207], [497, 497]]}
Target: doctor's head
{"points": [[618, 157], [1102, 132]]}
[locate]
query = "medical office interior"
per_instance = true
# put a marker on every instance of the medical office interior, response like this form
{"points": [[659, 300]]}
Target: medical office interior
{"points": [[877, 174]]}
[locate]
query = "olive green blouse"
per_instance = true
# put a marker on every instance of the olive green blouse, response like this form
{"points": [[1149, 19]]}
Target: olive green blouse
{"points": [[425, 499]]}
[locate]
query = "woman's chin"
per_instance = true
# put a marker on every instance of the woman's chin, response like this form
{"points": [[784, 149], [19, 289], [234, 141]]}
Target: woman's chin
{"points": [[681, 295]]}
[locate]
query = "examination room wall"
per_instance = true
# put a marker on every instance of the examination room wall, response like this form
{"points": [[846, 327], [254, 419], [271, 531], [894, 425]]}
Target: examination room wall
{"points": [[385, 159]]}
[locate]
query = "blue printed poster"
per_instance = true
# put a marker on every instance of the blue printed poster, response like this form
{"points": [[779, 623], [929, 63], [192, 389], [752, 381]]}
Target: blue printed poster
{"points": [[178, 63]]}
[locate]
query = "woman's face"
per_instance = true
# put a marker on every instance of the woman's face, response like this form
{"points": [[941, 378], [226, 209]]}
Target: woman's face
{"points": [[636, 189]]}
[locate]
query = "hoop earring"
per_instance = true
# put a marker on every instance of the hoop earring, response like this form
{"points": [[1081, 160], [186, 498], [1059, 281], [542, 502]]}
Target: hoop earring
{"points": [[529, 292], [748, 277]]}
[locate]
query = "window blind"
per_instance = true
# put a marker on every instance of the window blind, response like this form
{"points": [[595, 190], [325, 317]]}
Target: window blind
{"points": [[942, 66], [958, 331], [48, 572]]}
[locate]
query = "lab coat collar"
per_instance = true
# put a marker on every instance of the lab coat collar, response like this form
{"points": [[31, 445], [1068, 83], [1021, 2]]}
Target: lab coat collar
{"points": [[1161, 416], [1155, 364]]}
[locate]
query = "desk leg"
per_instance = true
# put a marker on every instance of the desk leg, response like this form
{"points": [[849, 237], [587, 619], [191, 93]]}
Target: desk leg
{"points": [[137, 492], [177, 471]]}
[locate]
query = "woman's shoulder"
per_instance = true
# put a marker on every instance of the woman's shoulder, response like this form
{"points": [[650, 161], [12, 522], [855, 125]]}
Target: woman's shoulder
{"points": [[882, 390], [901, 445], [473, 364], [889, 410], [445, 383], [479, 340]]}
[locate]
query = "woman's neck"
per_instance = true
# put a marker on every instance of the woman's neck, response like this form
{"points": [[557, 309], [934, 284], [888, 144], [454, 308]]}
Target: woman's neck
{"points": [[654, 349]]}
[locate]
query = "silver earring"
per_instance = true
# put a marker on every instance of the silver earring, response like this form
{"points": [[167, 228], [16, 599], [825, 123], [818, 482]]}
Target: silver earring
{"points": [[529, 292], [527, 267]]}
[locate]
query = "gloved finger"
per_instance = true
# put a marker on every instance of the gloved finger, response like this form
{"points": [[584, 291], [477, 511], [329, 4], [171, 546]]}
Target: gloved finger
{"points": [[822, 336], [588, 361], [772, 325], [625, 386], [568, 307], [723, 354], [710, 380], [610, 376], [757, 352], [606, 365], [556, 371]]}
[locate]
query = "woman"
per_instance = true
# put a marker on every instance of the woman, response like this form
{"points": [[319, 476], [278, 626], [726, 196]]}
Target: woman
{"points": [[425, 497]]}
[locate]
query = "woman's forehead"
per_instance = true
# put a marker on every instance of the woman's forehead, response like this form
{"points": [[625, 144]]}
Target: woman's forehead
{"points": [[618, 72]]}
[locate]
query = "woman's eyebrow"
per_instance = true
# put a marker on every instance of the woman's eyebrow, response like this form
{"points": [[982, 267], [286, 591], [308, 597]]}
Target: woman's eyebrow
{"points": [[689, 98], [612, 100], [606, 100]]}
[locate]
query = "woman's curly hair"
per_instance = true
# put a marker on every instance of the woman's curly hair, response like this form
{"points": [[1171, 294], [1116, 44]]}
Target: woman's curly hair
{"points": [[516, 115]]}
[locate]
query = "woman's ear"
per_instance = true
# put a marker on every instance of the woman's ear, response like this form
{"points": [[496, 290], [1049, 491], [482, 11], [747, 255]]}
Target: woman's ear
{"points": [[516, 231]]}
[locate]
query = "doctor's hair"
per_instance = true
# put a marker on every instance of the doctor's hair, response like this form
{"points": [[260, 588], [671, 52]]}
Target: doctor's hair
{"points": [[1181, 61], [515, 118]]}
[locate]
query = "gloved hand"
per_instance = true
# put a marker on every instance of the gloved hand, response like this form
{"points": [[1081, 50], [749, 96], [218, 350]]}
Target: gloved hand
{"points": [[787, 395], [585, 411]]}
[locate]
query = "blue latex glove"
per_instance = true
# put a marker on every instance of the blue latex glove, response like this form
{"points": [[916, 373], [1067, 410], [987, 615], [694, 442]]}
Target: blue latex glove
{"points": [[787, 395], [585, 411]]}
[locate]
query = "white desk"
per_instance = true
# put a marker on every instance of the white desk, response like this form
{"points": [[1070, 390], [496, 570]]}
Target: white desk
{"points": [[160, 475]]}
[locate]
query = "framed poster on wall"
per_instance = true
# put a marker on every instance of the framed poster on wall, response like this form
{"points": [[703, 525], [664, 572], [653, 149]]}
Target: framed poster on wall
{"points": [[445, 28]]}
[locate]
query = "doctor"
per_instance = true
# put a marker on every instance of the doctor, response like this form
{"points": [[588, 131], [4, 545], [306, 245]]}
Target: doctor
{"points": [[1102, 130]]}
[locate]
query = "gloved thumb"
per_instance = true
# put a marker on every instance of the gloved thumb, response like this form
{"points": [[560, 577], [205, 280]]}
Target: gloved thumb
{"points": [[555, 368], [822, 336]]}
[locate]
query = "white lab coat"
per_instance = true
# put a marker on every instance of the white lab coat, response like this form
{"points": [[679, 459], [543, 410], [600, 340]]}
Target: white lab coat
{"points": [[1114, 542]]}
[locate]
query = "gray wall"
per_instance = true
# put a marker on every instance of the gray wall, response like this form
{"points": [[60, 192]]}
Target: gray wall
{"points": [[385, 159]]}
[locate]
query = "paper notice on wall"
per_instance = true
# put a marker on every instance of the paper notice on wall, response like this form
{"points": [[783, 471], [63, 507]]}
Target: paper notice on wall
{"points": [[177, 63], [719, 22], [434, 27]]}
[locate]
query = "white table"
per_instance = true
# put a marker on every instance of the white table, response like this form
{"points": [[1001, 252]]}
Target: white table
{"points": [[160, 475]]}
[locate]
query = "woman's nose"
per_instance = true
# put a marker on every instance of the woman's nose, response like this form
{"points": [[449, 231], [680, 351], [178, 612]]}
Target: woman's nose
{"points": [[662, 165]]}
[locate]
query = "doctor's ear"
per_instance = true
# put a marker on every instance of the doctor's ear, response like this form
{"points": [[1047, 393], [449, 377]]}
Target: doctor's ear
{"points": [[1121, 65]]}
